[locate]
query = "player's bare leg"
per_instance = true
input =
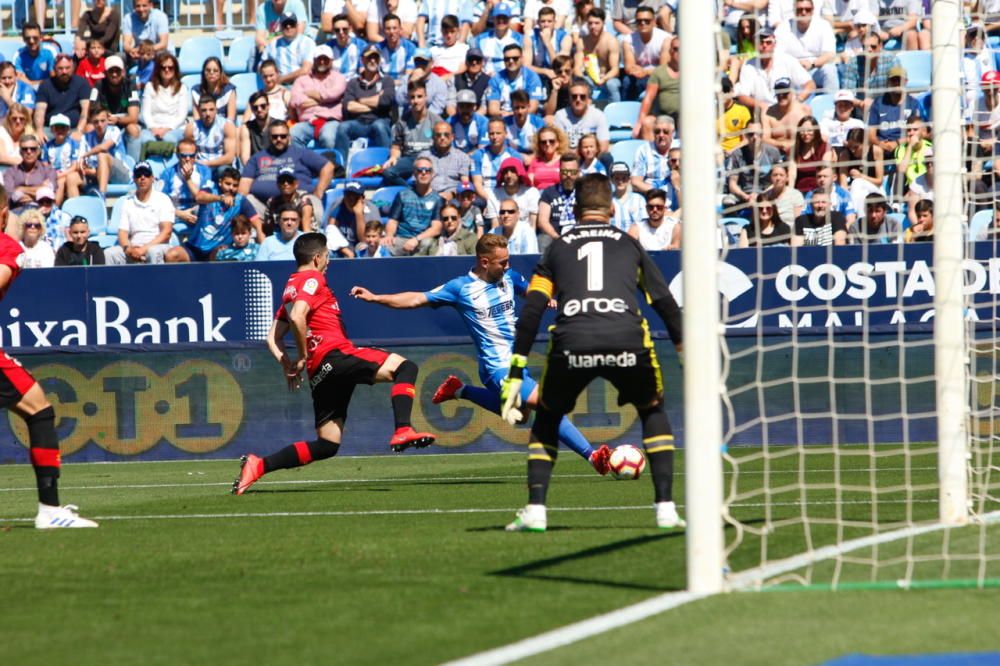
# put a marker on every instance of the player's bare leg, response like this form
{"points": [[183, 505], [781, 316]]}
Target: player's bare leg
{"points": [[326, 445], [403, 375]]}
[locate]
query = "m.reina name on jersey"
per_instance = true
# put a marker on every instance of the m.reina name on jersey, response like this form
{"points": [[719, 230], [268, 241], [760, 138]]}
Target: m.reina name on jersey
{"points": [[114, 323]]}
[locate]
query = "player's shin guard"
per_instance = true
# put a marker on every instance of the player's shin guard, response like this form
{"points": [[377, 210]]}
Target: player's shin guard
{"points": [[542, 454], [44, 453], [659, 444], [300, 453], [403, 392]]}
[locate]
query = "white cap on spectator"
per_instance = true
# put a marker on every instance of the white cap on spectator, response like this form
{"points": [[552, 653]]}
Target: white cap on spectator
{"points": [[323, 51], [44, 192], [114, 61], [844, 96], [864, 17]]}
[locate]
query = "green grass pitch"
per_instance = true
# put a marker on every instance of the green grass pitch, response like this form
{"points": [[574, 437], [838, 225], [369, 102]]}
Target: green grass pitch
{"points": [[403, 560]]}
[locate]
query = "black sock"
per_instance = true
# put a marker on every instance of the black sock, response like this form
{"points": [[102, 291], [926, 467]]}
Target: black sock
{"points": [[661, 465], [403, 392], [44, 454], [539, 473], [658, 441], [300, 453]]}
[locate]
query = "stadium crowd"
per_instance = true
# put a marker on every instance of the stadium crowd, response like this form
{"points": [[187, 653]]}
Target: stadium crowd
{"points": [[412, 127]]}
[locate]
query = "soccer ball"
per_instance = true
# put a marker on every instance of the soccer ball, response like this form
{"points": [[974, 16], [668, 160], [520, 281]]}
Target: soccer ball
{"points": [[627, 462]]}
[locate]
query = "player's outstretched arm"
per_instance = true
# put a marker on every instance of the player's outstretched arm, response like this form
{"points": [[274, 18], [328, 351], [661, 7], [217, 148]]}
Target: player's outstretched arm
{"points": [[404, 300], [276, 344]]}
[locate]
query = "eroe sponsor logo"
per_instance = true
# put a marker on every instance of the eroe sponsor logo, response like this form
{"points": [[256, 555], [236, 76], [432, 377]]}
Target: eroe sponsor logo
{"points": [[622, 360], [576, 306]]}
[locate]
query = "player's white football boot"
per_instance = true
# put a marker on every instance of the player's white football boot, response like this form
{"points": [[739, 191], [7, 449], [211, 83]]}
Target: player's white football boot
{"points": [[667, 517], [55, 517], [529, 519]]}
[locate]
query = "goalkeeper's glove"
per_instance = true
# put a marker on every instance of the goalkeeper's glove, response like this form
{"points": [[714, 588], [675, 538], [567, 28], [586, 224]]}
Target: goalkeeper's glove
{"points": [[510, 390]]}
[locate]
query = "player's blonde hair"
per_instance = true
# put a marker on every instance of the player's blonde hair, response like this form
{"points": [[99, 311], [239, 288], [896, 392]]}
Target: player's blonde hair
{"points": [[488, 243]]}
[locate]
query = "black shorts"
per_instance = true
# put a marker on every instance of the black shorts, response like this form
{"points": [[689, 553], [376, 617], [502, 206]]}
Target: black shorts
{"points": [[635, 374], [341, 370], [14, 381]]}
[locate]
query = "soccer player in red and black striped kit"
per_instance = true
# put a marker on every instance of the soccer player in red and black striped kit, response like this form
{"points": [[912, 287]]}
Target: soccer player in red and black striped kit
{"points": [[334, 365], [21, 393]]}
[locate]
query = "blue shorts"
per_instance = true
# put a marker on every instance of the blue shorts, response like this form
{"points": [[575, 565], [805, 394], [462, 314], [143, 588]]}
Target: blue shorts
{"points": [[527, 385], [195, 253]]}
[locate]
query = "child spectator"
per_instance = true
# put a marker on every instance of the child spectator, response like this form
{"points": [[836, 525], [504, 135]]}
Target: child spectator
{"points": [[103, 151], [146, 62], [92, 67], [472, 215], [372, 247], [587, 150], [62, 152], [922, 230], [79, 250], [244, 247], [56, 221]]}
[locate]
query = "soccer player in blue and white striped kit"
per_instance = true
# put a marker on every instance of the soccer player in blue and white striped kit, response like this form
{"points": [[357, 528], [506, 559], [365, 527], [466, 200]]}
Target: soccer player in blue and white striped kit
{"points": [[485, 299]]}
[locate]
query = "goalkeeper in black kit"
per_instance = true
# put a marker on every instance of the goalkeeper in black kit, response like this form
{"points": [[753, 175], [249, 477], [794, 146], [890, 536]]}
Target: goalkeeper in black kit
{"points": [[594, 271]]}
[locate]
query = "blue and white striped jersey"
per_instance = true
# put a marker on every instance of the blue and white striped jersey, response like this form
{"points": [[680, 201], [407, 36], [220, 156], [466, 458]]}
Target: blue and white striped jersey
{"points": [[501, 86], [523, 138], [487, 165], [469, 137], [434, 11], [488, 312], [493, 46], [347, 59], [651, 165], [629, 210], [62, 156], [111, 133], [290, 55], [397, 62]]}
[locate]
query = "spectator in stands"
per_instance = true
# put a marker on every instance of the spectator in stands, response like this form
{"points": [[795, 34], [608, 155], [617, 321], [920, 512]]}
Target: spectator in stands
{"points": [[215, 83], [367, 102], [651, 164], [353, 214], [876, 226], [406, 10], [555, 203], [808, 155], [278, 96], [788, 200], [166, 102], [581, 118], [292, 51], [663, 94], [79, 250], [279, 246], [103, 155], [56, 220], [597, 57], [472, 215], [449, 53], [854, 29], [182, 181], [309, 206], [38, 252], [913, 161], [486, 161], [437, 26], [115, 93], [62, 153], [474, 78], [468, 127], [922, 230], [645, 49], [260, 175], [253, 133], [451, 165], [102, 22], [822, 226], [494, 43], [145, 65], [558, 98], [243, 247], [511, 78], [144, 22], [840, 200], [867, 76], [809, 39], [860, 171], [214, 136], [16, 125], [23, 180], [372, 248], [520, 236], [546, 41], [92, 67], [765, 228], [147, 219], [346, 47], [659, 231], [890, 112], [66, 94], [455, 239], [512, 183], [33, 63], [268, 20], [396, 51], [783, 117], [755, 89], [415, 216], [734, 120], [13, 90], [749, 171], [898, 20], [835, 127], [561, 10], [215, 216], [356, 13], [550, 145], [587, 149], [437, 89], [316, 102], [411, 135], [522, 125], [630, 206]]}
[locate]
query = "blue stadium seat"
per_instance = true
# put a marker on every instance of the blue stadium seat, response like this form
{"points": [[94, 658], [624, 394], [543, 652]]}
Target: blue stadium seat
{"points": [[624, 151], [331, 198], [91, 208], [901, 218], [820, 104], [980, 221], [384, 196], [65, 42], [918, 69], [246, 85], [191, 80], [622, 117], [196, 50], [239, 58], [9, 48], [116, 216], [363, 159]]}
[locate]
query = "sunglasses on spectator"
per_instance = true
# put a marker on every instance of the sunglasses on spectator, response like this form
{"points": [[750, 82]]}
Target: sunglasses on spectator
{"points": [[449, 218], [655, 207], [259, 107], [167, 68], [579, 96], [548, 142], [279, 136], [645, 21], [423, 170], [442, 134], [33, 225], [186, 156], [511, 58], [289, 218], [662, 131], [29, 149], [568, 172], [508, 211], [341, 29]]}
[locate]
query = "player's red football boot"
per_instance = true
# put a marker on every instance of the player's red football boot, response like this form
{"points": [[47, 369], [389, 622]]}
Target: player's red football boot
{"points": [[449, 387], [406, 437], [601, 459], [251, 469]]}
